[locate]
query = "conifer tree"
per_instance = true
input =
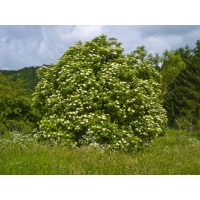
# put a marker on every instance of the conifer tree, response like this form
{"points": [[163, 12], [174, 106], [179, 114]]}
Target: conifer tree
{"points": [[184, 101]]}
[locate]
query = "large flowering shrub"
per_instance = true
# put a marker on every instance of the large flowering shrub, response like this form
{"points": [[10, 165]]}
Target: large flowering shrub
{"points": [[95, 95]]}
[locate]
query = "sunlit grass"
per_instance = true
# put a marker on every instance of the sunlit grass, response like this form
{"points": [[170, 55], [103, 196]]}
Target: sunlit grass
{"points": [[20, 154]]}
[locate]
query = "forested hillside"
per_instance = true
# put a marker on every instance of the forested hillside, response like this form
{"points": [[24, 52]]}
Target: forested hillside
{"points": [[27, 75]]}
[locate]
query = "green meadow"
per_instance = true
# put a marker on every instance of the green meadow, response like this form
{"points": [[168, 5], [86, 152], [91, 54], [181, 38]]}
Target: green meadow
{"points": [[177, 153]]}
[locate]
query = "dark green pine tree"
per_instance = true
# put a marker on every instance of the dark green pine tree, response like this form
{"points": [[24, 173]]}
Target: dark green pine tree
{"points": [[184, 98]]}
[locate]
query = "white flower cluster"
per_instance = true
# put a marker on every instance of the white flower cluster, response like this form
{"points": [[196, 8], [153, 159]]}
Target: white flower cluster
{"points": [[18, 138], [92, 97]]}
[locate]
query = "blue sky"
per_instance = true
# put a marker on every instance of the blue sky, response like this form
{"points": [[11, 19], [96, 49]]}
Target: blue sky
{"points": [[23, 46]]}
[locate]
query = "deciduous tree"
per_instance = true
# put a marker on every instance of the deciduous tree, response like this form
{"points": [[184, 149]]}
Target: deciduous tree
{"points": [[95, 95]]}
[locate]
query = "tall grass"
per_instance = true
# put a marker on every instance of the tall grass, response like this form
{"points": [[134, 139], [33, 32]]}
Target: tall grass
{"points": [[21, 155]]}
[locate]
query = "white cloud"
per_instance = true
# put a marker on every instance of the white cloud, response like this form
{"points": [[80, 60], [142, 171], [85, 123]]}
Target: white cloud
{"points": [[42, 48], [155, 44], [158, 44], [76, 33]]}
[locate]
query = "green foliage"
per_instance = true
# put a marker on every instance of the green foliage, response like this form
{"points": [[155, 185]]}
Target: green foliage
{"points": [[15, 103], [155, 60], [99, 97], [27, 74], [184, 98], [172, 65], [141, 54]]}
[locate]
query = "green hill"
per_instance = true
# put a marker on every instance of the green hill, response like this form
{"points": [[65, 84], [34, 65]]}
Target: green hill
{"points": [[27, 74]]}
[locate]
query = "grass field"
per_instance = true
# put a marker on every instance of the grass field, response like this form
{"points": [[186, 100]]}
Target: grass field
{"points": [[21, 155]]}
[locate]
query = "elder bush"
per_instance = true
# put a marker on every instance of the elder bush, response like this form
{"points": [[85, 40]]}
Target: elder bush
{"points": [[95, 95]]}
